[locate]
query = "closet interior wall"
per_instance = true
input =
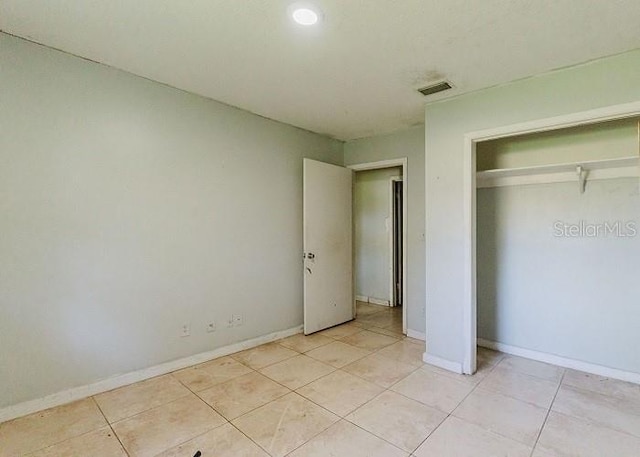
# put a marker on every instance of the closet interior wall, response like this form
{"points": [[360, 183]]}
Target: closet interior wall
{"points": [[557, 265]]}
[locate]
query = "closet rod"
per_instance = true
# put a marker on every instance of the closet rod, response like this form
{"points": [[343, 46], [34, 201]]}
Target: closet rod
{"points": [[564, 172]]}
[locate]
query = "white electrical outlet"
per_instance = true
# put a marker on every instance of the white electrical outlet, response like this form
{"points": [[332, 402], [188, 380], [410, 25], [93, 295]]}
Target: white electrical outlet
{"points": [[185, 330], [211, 327], [237, 320]]}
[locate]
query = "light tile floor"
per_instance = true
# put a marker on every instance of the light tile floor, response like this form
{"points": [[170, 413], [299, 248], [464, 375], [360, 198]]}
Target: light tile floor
{"points": [[357, 390]]}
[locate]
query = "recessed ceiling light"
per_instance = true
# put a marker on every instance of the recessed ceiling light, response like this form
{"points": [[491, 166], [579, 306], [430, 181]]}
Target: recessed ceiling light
{"points": [[304, 14]]}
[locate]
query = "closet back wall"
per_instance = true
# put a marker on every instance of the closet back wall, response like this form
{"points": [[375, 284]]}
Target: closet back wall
{"points": [[575, 297], [606, 140], [128, 209]]}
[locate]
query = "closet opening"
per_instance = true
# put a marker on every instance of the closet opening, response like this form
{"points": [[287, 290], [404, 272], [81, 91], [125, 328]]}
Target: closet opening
{"points": [[553, 224]]}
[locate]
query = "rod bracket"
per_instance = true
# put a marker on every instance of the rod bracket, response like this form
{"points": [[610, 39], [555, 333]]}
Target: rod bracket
{"points": [[582, 178]]}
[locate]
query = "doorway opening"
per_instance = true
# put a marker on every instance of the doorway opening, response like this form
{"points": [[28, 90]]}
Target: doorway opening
{"points": [[396, 235], [379, 225]]}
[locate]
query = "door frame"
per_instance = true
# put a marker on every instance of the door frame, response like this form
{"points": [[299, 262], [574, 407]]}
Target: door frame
{"points": [[392, 163], [392, 236], [471, 139]]}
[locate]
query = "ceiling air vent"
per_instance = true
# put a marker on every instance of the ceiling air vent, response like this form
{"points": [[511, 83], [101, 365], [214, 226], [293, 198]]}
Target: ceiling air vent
{"points": [[435, 88]]}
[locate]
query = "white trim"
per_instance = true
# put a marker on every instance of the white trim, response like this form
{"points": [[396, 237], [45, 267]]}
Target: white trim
{"points": [[375, 301], [442, 363], [379, 164], [391, 232], [78, 393], [587, 367], [469, 361], [469, 176], [416, 335], [402, 162]]}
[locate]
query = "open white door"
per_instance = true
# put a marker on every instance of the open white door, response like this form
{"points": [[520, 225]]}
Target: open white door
{"points": [[328, 252]]}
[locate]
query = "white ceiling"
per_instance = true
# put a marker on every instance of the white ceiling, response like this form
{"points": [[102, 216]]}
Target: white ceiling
{"points": [[355, 74]]}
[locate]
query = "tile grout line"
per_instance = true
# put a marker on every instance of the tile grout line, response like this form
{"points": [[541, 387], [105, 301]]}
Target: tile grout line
{"points": [[71, 437], [110, 426], [430, 434], [193, 438], [299, 395], [522, 401], [343, 418], [310, 439], [365, 379], [57, 443], [248, 437], [511, 396], [371, 433], [529, 360], [450, 414], [249, 411], [290, 391], [188, 394], [167, 375], [546, 417], [267, 365], [190, 439], [316, 347], [228, 421], [270, 379], [294, 391], [388, 389], [350, 374], [254, 371]]}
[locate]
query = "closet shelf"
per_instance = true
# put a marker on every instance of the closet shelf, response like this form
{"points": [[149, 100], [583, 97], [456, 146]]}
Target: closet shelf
{"points": [[622, 162], [564, 172]]}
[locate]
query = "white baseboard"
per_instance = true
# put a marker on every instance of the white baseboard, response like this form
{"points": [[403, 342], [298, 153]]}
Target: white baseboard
{"points": [[78, 393], [562, 361], [377, 301], [416, 335], [442, 363]]}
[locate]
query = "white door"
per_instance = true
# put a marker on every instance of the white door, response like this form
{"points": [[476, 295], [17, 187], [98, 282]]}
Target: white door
{"points": [[328, 251]]}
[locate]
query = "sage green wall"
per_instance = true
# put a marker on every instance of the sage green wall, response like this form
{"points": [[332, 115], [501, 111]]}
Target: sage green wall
{"points": [[606, 140], [128, 208], [602, 83]]}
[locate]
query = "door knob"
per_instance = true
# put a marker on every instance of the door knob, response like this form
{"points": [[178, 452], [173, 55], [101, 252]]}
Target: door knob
{"points": [[311, 256]]}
